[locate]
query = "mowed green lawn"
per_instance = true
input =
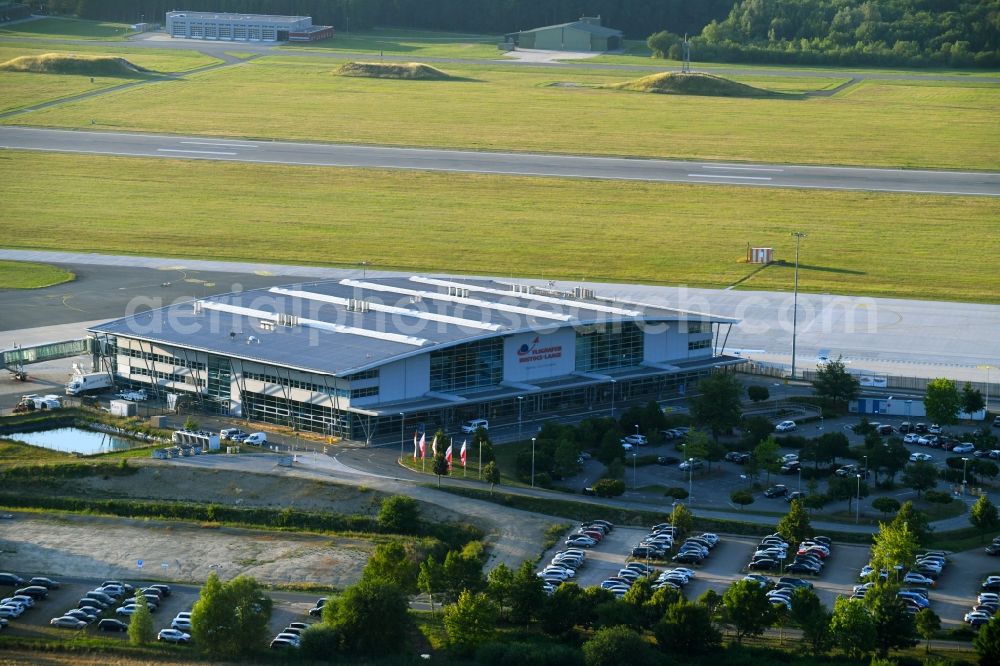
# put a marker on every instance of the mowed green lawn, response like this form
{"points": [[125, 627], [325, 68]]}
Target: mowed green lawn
{"points": [[21, 89], [414, 43], [66, 28], [914, 246], [30, 275], [505, 107]]}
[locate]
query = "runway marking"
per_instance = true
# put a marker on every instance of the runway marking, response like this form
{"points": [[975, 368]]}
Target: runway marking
{"points": [[195, 152], [644, 179], [717, 175], [739, 168], [220, 145]]}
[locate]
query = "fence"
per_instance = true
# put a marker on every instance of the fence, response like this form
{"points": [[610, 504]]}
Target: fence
{"points": [[916, 384]]}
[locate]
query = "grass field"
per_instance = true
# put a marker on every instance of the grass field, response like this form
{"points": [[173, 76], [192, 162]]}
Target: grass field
{"points": [[414, 43], [504, 107], [908, 246], [66, 28], [29, 275], [21, 89]]}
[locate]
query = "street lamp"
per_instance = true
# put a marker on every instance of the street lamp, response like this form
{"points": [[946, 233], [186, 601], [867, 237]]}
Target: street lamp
{"points": [[800, 478], [637, 431], [402, 436], [634, 484], [613, 382], [532, 462], [987, 368], [520, 402], [795, 298], [866, 468], [690, 471], [965, 466], [857, 513]]}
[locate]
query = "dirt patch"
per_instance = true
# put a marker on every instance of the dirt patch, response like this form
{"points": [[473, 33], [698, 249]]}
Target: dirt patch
{"points": [[90, 547]]}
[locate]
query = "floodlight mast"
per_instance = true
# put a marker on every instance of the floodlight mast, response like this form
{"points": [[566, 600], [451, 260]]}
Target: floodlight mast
{"points": [[799, 235]]}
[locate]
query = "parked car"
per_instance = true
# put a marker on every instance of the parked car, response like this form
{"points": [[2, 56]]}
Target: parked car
{"points": [[67, 622], [920, 457], [173, 636], [636, 440], [964, 447], [110, 624], [33, 591], [776, 491], [10, 579], [44, 582], [667, 460], [739, 457], [797, 495], [691, 464], [785, 426], [791, 467]]}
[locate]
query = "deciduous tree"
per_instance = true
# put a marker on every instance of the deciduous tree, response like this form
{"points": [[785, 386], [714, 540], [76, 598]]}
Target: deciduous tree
{"points": [[741, 498], [687, 629], [681, 518], [765, 456], [983, 515], [140, 628], [747, 609], [399, 515], [526, 594], [987, 643], [613, 646], [231, 619], [886, 505], [894, 626], [928, 624], [852, 628], [430, 578], [942, 401], [758, 393], [491, 473], [390, 562], [834, 382], [812, 617], [920, 476], [440, 467], [795, 526], [917, 521], [971, 399], [469, 622], [893, 545], [371, 618], [717, 403]]}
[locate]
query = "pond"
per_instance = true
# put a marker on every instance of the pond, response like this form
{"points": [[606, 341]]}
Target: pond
{"points": [[76, 440]]}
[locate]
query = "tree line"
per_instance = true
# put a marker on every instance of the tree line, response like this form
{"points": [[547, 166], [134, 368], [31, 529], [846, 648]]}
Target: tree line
{"points": [[912, 33], [634, 17]]}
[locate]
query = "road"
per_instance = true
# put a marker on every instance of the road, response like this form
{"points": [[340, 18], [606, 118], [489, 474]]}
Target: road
{"points": [[512, 164]]}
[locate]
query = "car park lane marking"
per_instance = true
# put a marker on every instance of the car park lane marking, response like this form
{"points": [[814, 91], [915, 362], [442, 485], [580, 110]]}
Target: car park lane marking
{"points": [[195, 152]]}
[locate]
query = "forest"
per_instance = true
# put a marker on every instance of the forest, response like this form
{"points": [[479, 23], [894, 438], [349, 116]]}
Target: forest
{"points": [[912, 33]]}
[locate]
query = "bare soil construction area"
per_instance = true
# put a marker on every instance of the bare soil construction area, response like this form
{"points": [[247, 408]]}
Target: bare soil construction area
{"points": [[91, 547], [100, 547]]}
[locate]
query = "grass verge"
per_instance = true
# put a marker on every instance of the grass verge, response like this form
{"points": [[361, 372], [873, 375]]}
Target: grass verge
{"points": [[902, 123], [30, 275], [414, 43], [562, 228], [67, 28]]}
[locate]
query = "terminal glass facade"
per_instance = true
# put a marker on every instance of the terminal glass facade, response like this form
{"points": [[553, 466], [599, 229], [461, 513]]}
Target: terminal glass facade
{"points": [[607, 347], [472, 365]]}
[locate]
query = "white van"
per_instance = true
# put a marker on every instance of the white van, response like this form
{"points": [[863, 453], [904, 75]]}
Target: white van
{"points": [[256, 439], [475, 424]]}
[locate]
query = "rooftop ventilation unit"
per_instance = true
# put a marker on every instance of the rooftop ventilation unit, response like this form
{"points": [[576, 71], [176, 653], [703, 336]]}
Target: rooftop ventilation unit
{"points": [[288, 320], [460, 292], [522, 288], [583, 293], [197, 307], [265, 325], [357, 305]]}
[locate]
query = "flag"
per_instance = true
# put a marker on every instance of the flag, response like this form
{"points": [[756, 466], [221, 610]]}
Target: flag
{"points": [[414, 444], [462, 453], [447, 456], [434, 447], [423, 446]]}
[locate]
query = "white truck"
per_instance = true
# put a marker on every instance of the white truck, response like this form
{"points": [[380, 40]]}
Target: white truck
{"points": [[89, 382]]}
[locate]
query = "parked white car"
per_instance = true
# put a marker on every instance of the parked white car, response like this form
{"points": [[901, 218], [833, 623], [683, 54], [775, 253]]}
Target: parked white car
{"points": [[785, 426], [964, 447]]}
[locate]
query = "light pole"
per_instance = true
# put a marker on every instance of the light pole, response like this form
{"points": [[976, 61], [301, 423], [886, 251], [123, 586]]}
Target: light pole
{"points": [[799, 235], [908, 404], [800, 478], [690, 471], [637, 431], [987, 368], [866, 467], [613, 382], [520, 402], [857, 512], [965, 466], [634, 485], [402, 436], [532, 462]]}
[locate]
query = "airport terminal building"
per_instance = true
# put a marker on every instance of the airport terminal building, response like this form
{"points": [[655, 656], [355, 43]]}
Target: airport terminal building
{"points": [[374, 358], [245, 27]]}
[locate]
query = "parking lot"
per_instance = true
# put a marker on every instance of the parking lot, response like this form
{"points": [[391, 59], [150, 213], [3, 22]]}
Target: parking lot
{"points": [[288, 607], [951, 598]]}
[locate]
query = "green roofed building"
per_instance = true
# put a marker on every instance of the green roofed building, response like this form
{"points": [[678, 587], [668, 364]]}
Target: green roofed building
{"points": [[587, 34]]}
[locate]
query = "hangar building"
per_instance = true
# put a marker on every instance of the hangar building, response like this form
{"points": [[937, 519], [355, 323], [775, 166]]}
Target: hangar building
{"points": [[587, 34], [245, 27], [368, 359]]}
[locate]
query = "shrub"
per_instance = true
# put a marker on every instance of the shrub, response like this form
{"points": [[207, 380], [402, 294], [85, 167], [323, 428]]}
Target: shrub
{"points": [[676, 492], [609, 487], [537, 654], [938, 497]]}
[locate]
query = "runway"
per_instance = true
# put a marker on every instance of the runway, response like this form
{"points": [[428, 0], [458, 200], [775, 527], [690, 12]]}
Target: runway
{"points": [[160, 146]]}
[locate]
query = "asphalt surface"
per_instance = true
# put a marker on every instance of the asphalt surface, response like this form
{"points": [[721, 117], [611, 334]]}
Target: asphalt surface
{"points": [[879, 335], [512, 164]]}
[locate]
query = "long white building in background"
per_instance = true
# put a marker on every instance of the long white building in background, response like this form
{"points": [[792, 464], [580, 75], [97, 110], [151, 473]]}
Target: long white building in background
{"points": [[369, 359], [244, 27]]}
